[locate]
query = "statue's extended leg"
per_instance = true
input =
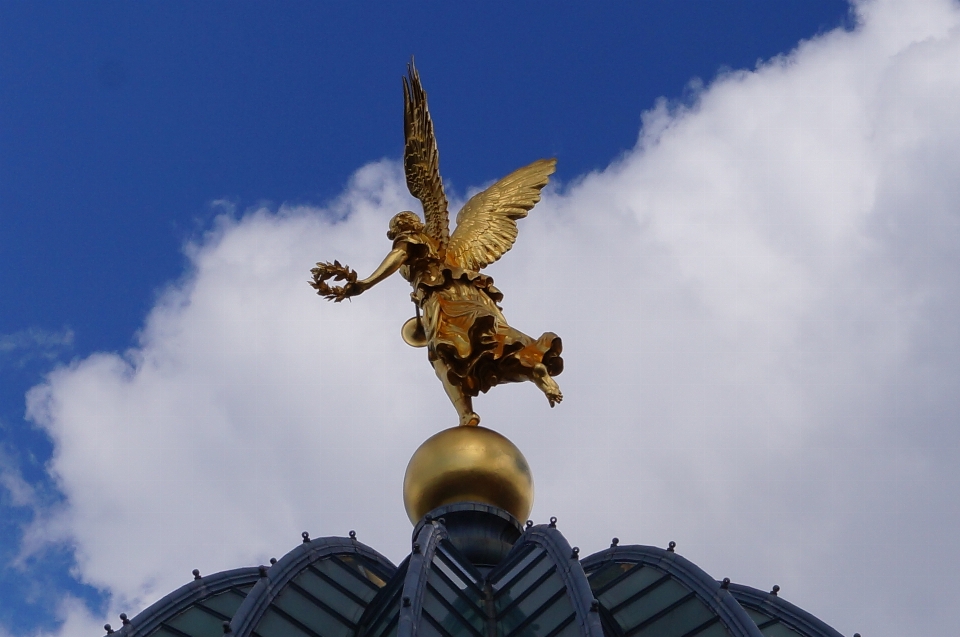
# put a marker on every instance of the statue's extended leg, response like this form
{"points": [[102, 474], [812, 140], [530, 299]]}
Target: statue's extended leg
{"points": [[460, 400], [545, 382]]}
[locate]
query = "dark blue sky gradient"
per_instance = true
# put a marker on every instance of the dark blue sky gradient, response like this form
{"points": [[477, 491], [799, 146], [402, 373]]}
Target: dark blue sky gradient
{"points": [[121, 121]]}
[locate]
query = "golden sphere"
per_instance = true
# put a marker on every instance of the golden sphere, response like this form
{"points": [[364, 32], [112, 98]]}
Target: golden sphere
{"points": [[467, 464]]}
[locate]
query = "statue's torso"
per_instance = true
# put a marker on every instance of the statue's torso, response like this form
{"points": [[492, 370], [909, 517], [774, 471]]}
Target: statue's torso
{"points": [[431, 276]]}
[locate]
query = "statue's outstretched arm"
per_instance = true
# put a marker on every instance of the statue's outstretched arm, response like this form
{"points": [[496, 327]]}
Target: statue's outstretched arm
{"points": [[391, 263], [325, 271]]}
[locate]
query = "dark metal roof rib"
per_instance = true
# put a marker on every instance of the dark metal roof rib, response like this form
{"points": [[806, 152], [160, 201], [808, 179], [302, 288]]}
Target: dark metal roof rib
{"points": [[568, 567], [781, 611], [185, 597], [415, 580], [277, 578], [687, 574]]}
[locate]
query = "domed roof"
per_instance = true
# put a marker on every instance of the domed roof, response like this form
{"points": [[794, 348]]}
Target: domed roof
{"points": [[197, 608], [777, 617], [517, 582], [321, 587]]}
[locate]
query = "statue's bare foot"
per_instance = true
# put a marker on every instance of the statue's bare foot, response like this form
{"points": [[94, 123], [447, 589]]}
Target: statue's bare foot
{"points": [[546, 384], [554, 396], [469, 419]]}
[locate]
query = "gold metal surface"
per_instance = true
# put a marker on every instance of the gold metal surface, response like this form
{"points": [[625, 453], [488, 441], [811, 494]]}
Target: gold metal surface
{"points": [[467, 464], [413, 334], [469, 342]]}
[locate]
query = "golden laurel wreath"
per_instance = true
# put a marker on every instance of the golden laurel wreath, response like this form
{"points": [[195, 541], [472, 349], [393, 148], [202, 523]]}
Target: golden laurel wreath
{"points": [[326, 271]]}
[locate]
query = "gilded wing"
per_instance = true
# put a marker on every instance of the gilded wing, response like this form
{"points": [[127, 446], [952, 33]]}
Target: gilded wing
{"points": [[487, 224], [421, 161]]}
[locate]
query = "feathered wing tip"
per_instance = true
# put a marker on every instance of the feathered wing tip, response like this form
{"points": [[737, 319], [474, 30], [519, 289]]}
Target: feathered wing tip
{"points": [[421, 160], [487, 224]]}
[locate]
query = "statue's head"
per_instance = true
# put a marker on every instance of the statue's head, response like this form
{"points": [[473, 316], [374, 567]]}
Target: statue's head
{"points": [[405, 222]]}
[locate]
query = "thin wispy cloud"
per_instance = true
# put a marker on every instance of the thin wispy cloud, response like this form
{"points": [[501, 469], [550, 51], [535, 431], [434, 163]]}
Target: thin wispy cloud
{"points": [[34, 344], [14, 490]]}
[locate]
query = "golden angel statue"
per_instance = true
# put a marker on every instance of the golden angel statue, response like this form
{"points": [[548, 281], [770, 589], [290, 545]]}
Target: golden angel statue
{"points": [[459, 320]]}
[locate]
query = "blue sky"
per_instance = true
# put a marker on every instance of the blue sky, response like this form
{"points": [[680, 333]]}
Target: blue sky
{"points": [[123, 121], [142, 142]]}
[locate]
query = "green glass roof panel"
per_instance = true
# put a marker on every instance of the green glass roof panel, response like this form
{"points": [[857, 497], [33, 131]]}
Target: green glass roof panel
{"points": [[347, 576], [540, 620], [275, 623], [774, 628], [637, 580], [327, 597], [225, 603], [677, 620], [652, 592], [567, 628], [756, 616], [713, 630], [391, 630], [430, 627], [453, 620], [310, 613], [454, 590], [648, 602], [197, 622], [384, 620], [367, 569], [443, 600], [331, 596], [606, 576], [521, 606], [537, 570], [521, 562], [452, 596], [446, 560], [320, 589]]}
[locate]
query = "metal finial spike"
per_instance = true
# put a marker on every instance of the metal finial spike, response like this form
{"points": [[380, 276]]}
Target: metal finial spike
{"points": [[775, 590], [725, 584], [196, 573], [553, 522], [614, 542], [352, 534], [123, 619], [263, 570], [575, 553], [671, 546], [273, 561], [306, 537], [594, 606], [107, 628], [529, 523]]}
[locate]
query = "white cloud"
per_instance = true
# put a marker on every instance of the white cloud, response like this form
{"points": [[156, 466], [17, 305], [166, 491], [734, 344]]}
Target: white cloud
{"points": [[759, 309]]}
